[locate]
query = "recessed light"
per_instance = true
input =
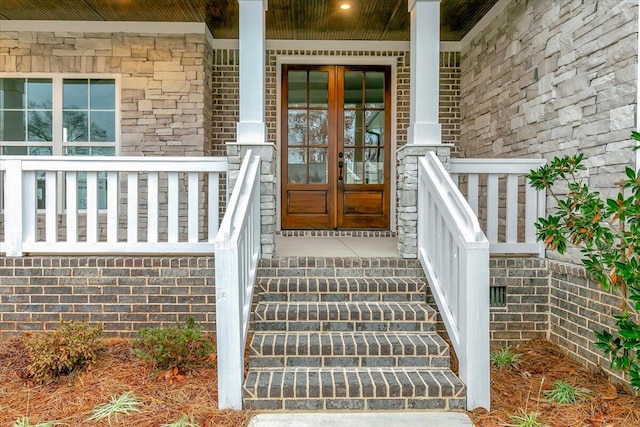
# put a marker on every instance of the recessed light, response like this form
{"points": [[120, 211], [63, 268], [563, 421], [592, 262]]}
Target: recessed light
{"points": [[345, 6]]}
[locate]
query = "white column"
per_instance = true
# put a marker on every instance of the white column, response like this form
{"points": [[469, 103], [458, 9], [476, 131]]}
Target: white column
{"points": [[251, 126], [424, 128]]}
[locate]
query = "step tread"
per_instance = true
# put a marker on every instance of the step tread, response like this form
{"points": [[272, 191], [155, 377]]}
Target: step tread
{"points": [[377, 382]]}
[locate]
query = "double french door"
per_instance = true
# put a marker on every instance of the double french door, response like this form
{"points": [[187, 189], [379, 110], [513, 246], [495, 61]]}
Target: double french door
{"points": [[335, 147]]}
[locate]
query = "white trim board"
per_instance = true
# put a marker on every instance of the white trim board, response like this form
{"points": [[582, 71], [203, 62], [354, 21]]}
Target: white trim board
{"points": [[496, 10], [348, 45]]}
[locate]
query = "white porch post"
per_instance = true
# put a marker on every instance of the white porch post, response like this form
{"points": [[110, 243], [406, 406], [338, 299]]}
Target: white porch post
{"points": [[251, 127], [424, 128]]}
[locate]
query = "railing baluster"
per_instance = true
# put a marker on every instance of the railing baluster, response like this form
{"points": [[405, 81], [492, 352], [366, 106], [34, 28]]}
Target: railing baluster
{"points": [[132, 207], [492, 207], [193, 207], [112, 207], [214, 214], [472, 192], [512, 209], [30, 207], [152, 207], [13, 216], [72, 206], [173, 197], [51, 208], [92, 207]]}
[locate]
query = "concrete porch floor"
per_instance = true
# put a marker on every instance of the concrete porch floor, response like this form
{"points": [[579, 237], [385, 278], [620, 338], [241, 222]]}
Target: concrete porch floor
{"points": [[337, 246]]}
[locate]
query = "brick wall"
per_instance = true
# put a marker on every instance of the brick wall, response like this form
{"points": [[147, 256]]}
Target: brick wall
{"points": [[125, 294]]}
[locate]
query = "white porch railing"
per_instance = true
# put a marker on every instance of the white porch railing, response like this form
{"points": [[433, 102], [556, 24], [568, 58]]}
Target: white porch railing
{"points": [[454, 254], [509, 210], [147, 204], [237, 255]]}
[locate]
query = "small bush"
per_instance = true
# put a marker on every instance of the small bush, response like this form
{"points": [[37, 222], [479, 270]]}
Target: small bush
{"points": [[182, 347], [63, 350], [504, 358]]}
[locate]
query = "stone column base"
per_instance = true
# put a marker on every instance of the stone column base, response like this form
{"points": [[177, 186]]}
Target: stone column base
{"points": [[267, 152], [408, 193]]}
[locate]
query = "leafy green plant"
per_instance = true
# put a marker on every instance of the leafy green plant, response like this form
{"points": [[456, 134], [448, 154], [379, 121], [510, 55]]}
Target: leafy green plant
{"points": [[63, 350], [525, 419], [181, 422], [504, 358], [182, 347], [607, 232], [24, 422], [124, 404], [565, 393]]}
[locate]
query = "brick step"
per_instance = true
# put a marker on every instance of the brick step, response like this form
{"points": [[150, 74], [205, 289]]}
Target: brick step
{"points": [[339, 267], [348, 349], [341, 289], [344, 316], [352, 388]]}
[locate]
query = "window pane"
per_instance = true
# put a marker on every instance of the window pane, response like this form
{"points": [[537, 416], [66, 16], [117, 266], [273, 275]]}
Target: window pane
{"points": [[353, 89], [297, 125], [297, 158], [75, 125], [103, 95], [318, 165], [39, 93], [103, 126], [375, 89], [77, 151], [297, 87], [374, 166], [13, 94], [75, 94], [318, 88], [40, 126], [375, 128], [26, 151], [12, 126], [103, 151], [318, 127]]}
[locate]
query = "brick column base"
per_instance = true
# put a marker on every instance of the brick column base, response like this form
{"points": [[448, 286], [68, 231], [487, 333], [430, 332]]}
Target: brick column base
{"points": [[408, 193], [235, 155]]}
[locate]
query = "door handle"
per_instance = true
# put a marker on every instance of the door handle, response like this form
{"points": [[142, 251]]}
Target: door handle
{"points": [[340, 166]]}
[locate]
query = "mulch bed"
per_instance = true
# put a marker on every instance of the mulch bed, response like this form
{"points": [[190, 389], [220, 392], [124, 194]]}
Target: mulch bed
{"points": [[71, 398], [542, 363]]}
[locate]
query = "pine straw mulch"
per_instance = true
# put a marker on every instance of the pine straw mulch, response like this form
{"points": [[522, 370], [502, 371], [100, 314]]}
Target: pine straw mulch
{"points": [[542, 363], [117, 370]]}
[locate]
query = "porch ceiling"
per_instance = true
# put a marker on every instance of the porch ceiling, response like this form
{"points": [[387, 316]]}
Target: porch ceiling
{"points": [[286, 19]]}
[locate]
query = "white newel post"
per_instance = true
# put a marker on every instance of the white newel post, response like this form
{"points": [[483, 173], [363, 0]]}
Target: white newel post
{"points": [[13, 211], [424, 128]]}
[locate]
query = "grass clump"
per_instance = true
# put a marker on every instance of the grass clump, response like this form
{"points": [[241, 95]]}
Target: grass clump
{"points": [[181, 422], [526, 419], [504, 358], [124, 404], [24, 422], [183, 347], [566, 394], [59, 352]]}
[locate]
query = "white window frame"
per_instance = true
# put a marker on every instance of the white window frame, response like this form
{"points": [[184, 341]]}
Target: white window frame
{"points": [[57, 143]]}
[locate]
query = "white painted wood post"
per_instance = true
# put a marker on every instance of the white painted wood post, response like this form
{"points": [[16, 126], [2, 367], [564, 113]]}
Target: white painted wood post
{"points": [[13, 205], [424, 128]]}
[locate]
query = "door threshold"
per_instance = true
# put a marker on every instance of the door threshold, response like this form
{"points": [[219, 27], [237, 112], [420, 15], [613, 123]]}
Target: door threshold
{"points": [[336, 233]]}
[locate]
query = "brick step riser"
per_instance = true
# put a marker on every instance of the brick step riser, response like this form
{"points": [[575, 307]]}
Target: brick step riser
{"points": [[436, 362], [342, 404], [344, 326], [338, 273], [340, 297]]}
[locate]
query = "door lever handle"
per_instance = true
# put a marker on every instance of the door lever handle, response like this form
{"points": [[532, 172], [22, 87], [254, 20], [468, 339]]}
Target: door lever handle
{"points": [[340, 165]]}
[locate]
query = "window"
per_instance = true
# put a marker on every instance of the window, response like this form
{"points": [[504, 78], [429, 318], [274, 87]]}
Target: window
{"points": [[59, 116]]}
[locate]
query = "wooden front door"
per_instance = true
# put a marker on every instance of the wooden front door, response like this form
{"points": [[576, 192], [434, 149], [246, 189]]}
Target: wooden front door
{"points": [[335, 147]]}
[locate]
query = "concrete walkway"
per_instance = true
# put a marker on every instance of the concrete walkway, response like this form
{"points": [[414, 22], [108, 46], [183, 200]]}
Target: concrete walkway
{"points": [[362, 419], [337, 246]]}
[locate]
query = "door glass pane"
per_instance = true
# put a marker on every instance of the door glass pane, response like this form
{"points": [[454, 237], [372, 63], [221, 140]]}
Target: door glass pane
{"points": [[353, 120], [375, 128], [318, 127], [297, 125], [319, 89], [103, 94], [353, 166], [353, 89], [75, 94], [374, 165], [12, 126], [374, 89], [297, 167], [40, 125], [75, 126], [318, 165], [103, 126], [297, 89]]}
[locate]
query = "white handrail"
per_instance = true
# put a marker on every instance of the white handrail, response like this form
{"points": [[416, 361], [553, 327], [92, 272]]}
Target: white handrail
{"points": [[503, 206], [454, 254], [237, 249], [41, 213]]}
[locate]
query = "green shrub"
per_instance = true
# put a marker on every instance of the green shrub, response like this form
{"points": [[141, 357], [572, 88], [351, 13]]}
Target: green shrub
{"points": [[566, 394], [182, 347], [504, 358], [63, 350]]}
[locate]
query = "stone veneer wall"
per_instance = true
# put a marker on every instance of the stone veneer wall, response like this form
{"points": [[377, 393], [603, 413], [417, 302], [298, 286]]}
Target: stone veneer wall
{"points": [[123, 293]]}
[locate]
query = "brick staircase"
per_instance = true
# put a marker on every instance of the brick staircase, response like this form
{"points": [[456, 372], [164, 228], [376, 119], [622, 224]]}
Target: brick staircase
{"points": [[346, 333]]}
